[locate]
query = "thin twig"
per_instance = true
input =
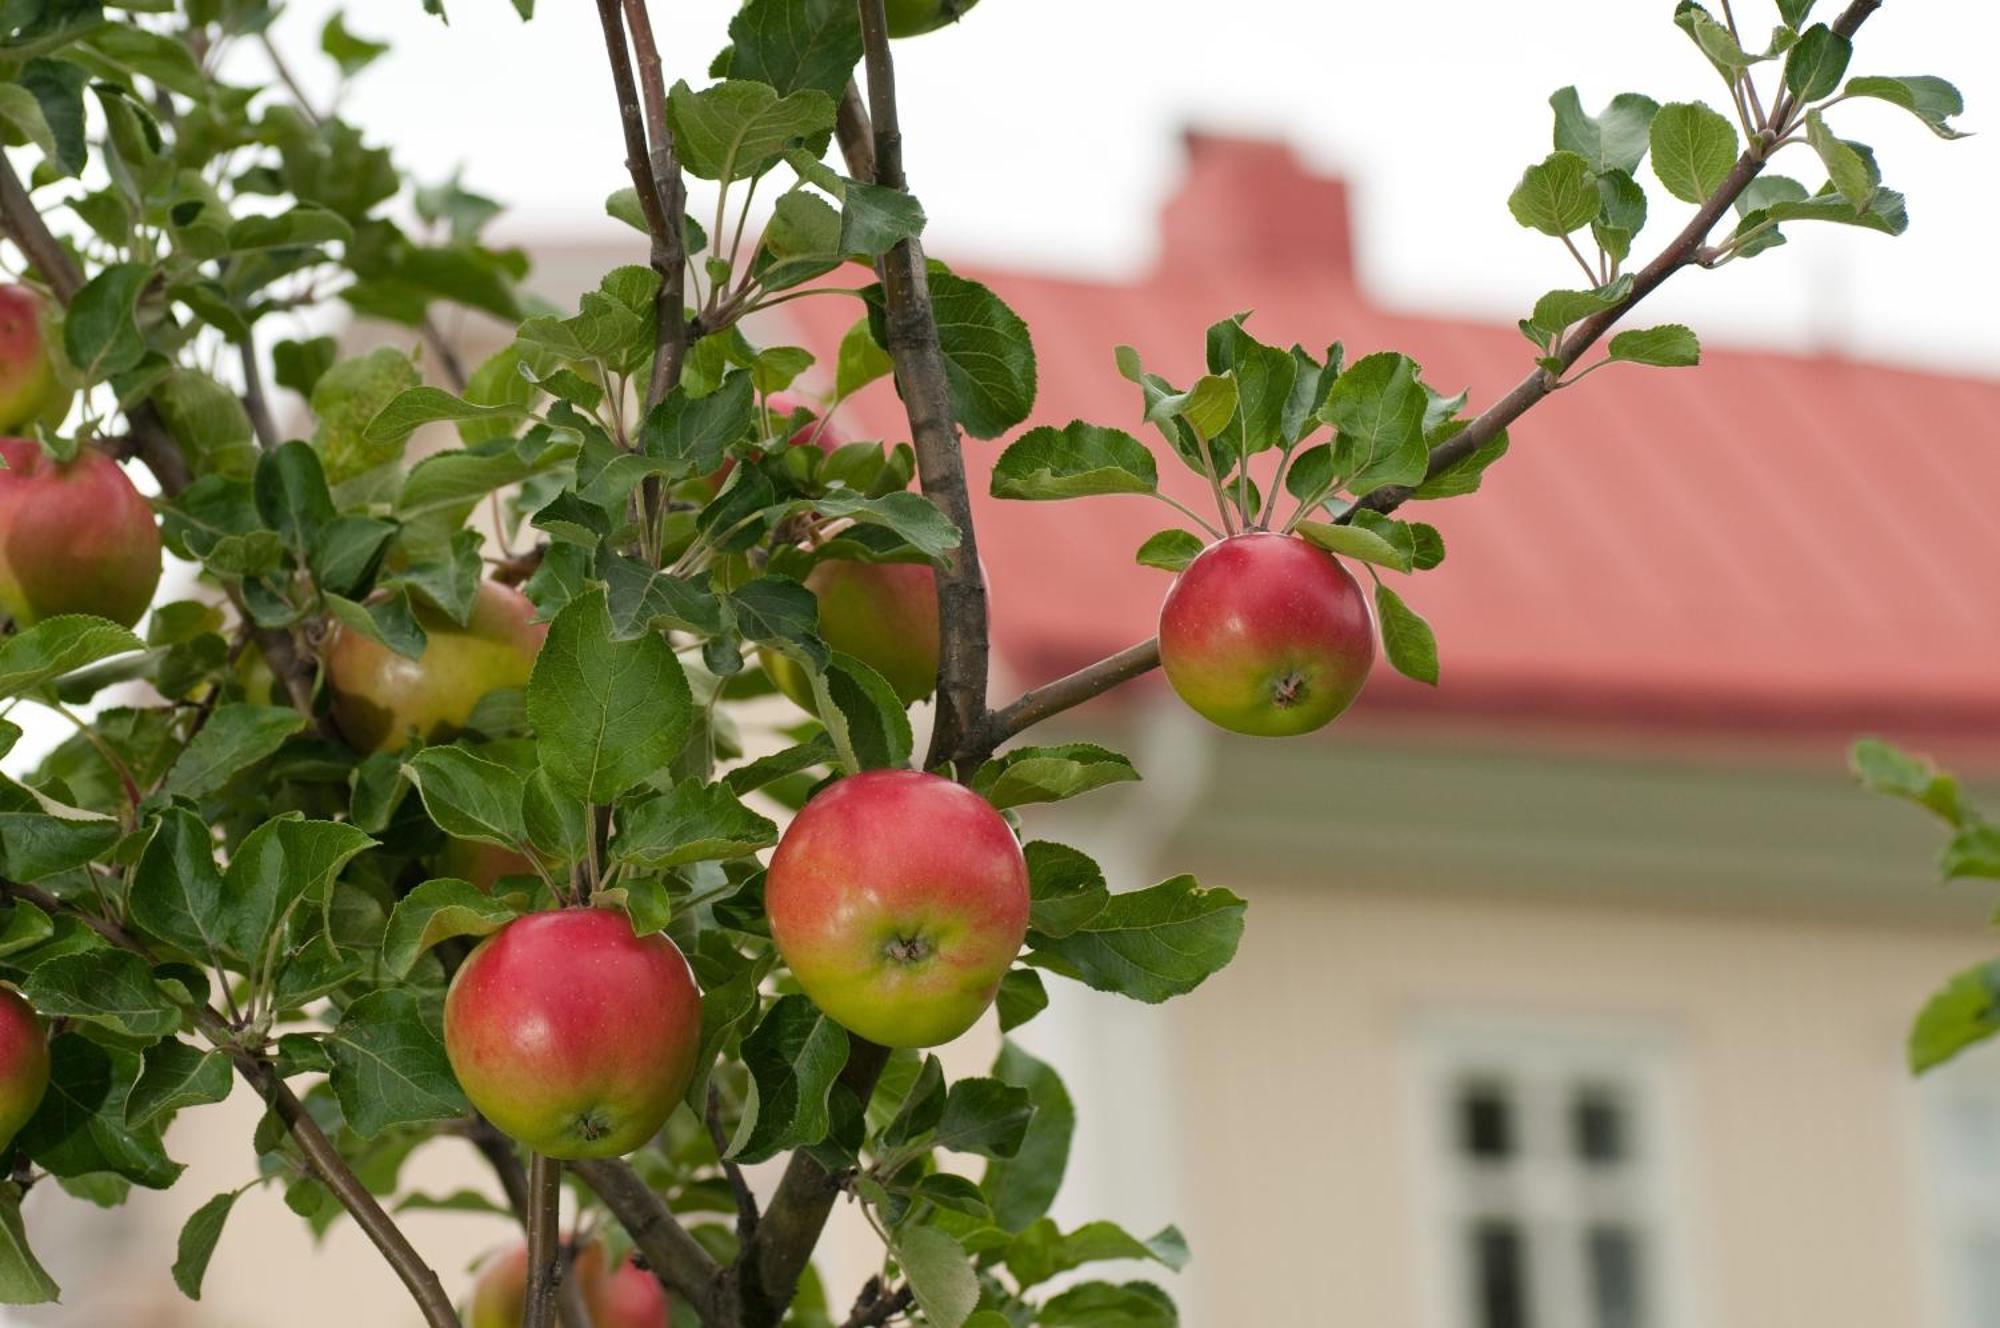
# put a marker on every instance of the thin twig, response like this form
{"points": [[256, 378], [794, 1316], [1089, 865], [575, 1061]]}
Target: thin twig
{"points": [[739, 1188], [255, 404]]}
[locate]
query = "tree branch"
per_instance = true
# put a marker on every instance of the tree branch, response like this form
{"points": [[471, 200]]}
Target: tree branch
{"points": [[255, 404], [876, 1304], [767, 1271], [1682, 251], [1065, 693], [325, 1161], [544, 1241], [675, 1257], [963, 655]]}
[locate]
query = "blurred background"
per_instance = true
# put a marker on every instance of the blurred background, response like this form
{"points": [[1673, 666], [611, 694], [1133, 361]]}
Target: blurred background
{"points": [[1573, 991]]}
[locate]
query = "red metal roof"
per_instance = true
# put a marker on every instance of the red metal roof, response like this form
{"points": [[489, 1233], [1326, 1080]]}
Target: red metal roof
{"points": [[1765, 541]]}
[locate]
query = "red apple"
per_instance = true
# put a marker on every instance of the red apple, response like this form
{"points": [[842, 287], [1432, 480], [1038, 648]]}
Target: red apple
{"points": [[883, 614], [481, 863], [899, 900], [75, 537], [629, 1297], [913, 18], [1267, 635], [381, 697], [24, 1064], [29, 388], [573, 1035]]}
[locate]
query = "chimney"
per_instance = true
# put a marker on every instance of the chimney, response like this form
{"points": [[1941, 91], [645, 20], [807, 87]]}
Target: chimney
{"points": [[1248, 203]]}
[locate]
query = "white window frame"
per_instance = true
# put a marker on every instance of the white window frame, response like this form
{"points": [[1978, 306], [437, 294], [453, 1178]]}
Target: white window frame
{"points": [[1955, 1199], [1543, 1055]]}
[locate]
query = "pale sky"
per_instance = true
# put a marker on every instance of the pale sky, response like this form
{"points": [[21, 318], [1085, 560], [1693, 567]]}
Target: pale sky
{"points": [[1045, 132]]}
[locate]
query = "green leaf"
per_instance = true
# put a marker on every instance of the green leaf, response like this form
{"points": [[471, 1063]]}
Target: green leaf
{"points": [[940, 1274], [988, 354], [1847, 168], [557, 826], [415, 407], [1170, 550], [114, 988], [177, 1076], [793, 1057], [1103, 1305], [1149, 944], [794, 44], [984, 1116], [1075, 461], [81, 1127], [1044, 1251], [1406, 638], [1965, 1013], [353, 54], [1023, 1188], [437, 911], [1066, 888], [1556, 196], [1355, 542], [737, 129], [870, 714], [177, 892], [1669, 346], [691, 822], [875, 219], [23, 1281], [1693, 148], [1615, 140], [199, 1235], [1814, 65], [389, 1066], [1462, 476], [278, 866], [304, 224], [346, 398], [1049, 774], [1931, 100], [237, 736], [59, 645], [913, 517], [40, 837], [1972, 852], [1021, 997], [1882, 768], [1378, 407], [607, 713], [693, 431], [22, 113], [101, 331], [1558, 309], [469, 796], [457, 479], [861, 361], [289, 489]]}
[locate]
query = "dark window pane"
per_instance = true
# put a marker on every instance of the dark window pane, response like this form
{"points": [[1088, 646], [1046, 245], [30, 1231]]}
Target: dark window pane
{"points": [[1600, 1125], [1500, 1276], [1486, 1121], [1615, 1285]]}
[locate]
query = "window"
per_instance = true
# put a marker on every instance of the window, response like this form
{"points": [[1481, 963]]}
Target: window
{"points": [[1546, 1177], [1961, 1111]]}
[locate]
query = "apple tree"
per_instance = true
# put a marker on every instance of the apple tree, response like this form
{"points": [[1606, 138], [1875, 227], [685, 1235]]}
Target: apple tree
{"points": [[436, 826]]}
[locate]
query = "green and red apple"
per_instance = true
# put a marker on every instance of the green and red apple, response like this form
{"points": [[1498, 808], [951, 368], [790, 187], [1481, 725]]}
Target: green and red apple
{"points": [[24, 1064], [625, 1297], [1267, 635], [75, 537], [381, 697], [573, 1035], [899, 900], [883, 614], [30, 387]]}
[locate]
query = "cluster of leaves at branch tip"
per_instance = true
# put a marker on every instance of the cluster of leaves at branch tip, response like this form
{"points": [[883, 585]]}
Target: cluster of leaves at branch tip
{"points": [[217, 882]]}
